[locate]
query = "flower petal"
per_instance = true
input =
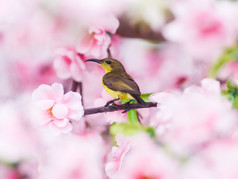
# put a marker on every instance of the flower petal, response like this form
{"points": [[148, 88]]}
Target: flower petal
{"points": [[211, 86], [85, 44], [72, 100], [42, 92], [61, 68], [58, 91], [45, 104], [67, 128], [161, 97], [61, 122]]}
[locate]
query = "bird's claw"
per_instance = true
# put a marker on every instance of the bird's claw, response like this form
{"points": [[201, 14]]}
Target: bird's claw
{"points": [[126, 110], [111, 102], [127, 104]]}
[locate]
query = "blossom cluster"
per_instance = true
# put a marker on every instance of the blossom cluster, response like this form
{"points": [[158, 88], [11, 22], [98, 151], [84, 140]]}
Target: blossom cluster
{"points": [[182, 54]]}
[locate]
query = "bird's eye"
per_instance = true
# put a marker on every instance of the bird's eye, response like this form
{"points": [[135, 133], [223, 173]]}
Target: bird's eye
{"points": [[108, 62]]}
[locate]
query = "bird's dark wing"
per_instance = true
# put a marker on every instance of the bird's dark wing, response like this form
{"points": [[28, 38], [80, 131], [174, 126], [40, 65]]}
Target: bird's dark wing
{"points": [[121, 82]]}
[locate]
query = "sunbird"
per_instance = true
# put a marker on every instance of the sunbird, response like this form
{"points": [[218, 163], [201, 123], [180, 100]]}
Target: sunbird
{"points": [[117, 82]]}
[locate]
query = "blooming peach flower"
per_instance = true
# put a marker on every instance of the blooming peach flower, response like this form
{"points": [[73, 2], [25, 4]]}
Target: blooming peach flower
{"points": [[218, 160], [69, 64], [209, 27], [146, 160], [73, 157], [195, 117], [19, 139], [117, 156], [60, 108], [97, 41]]}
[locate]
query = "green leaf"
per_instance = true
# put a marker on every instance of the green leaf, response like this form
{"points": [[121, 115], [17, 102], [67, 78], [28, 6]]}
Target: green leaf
{"points": [[229, 55], [126, 129], [145, 97], [235, 103], [9, 164], [150, 131], [231, 93], [231, 85], [132, 116], [129, 129]]}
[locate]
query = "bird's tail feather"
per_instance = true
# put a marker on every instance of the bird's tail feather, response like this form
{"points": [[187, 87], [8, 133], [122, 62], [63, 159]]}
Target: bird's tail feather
{"points": [[138, 99]]}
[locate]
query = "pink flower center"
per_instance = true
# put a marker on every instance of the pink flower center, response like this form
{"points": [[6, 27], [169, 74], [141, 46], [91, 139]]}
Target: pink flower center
{"points": [[208, 24], [145, 177], [67, 60], [60, 111], [211, 28]]}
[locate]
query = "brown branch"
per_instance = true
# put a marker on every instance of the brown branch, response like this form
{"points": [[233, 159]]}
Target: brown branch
{"points": [[77, 86], [109, 52], [74, 86], [113, 108], [80, 85], [140, 30]]}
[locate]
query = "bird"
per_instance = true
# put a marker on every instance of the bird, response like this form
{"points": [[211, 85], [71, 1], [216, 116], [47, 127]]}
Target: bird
{"points": [[117, 82]]}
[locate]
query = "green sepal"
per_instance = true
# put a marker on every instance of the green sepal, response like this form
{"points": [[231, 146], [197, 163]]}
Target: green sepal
{"points": [[129, 129], [229, 55], [151, 131], [231, 93]]}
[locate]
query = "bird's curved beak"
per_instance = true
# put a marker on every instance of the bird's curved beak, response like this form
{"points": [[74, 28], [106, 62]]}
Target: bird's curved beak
{"points": [[94, 60]]}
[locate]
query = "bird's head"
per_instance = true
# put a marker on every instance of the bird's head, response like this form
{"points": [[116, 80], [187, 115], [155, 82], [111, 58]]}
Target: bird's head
{"points": [[108, 64]]}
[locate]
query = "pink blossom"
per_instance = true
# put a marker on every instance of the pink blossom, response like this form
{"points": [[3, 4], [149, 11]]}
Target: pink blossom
{"points": [[116, 158], [73, 157], [209, 27], [147, 160], [97, 41], [195, 117], [179, 66], [18, 138], [59, 108], [82, 11], [8, 172], [69, 64], [169, 61], [218, 160], [222, 155]]}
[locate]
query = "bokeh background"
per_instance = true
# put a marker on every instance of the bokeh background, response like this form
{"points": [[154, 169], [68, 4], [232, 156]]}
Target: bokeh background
{"points": [[182, 51]]}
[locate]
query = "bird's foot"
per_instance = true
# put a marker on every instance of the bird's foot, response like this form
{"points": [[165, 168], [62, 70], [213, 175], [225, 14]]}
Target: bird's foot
{"points": [[127, 104], [111, 102]]}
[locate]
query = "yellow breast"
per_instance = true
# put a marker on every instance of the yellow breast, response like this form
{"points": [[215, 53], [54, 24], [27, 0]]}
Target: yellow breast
{"points": [[117, 94]]}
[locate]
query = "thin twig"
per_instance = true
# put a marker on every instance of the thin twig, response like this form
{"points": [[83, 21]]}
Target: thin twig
{"points": [[118, 108], [109, 52], [80, 85], [74, 86], [142, 31]]}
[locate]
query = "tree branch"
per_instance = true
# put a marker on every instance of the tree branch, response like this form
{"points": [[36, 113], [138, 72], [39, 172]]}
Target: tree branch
{"points": [[74, 86], [142, 31], [113, 108], [77, 86]]}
